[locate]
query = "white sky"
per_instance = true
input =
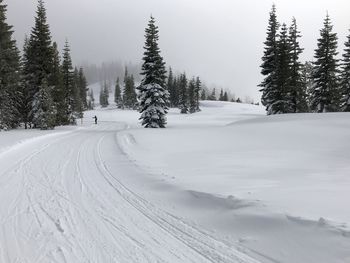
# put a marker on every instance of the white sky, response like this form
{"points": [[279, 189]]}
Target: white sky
{"points": [[220, 40]]}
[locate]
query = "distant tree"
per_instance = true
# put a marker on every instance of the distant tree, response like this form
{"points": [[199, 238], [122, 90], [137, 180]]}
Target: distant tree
{"points": [[197, 92], [239, 100], [192, 102], [345, 77], [130, 97], [9, 75], [225, 97], [118, 95], [78, 106], [212, 96], [183, 94], [172, 88], [270, 63], [91, 100], [203, 95], [307, 80], [82, 83], [221, 96], [153, 96], [325, 95], [104, 95]]}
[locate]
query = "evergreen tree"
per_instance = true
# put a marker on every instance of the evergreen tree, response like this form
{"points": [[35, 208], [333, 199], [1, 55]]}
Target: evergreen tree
{"points": [[225, 97], [104, 95], [203, 95], [307, 80], [82, 83], [69, 87], [280, 98], [221, 96], [90, 100], [325, 95], [44, 110], [130, 97], [118, 95], [58, 94], [212, 96], [78, 106], [183, 94], [9, 75], [345, 77], [172, 89], [153, 96], [38, 66], [269, 65], [192, 103], [298, 89], [197, 92]]}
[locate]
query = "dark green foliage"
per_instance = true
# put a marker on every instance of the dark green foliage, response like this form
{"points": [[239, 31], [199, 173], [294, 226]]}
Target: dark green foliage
{"points": [[44, 110], [345, 77], [183, 94], [9, 75], [212, 96], [298, 89], [197, 93], [77, 105], [153, 97], [203, 94], [269, 65], [90, 100], [192, 103], [325, 95], [104, 95], [118, 94], [69, 88], [172, 88], [82, 84], [129, 96], [225, 97]]}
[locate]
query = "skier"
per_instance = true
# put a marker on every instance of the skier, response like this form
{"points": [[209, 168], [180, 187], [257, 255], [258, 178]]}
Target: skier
{"points": [[95, 119]]}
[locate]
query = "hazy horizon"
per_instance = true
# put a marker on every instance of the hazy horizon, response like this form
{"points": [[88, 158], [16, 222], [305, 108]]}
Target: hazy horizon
{"points": [[221, 41]]}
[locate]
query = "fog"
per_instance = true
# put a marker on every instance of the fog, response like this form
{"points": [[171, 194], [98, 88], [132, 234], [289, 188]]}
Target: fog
{"points": [[219, 40]]}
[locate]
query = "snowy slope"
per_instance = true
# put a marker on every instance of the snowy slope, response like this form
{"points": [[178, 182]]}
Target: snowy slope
{"points": [[225, 185]]}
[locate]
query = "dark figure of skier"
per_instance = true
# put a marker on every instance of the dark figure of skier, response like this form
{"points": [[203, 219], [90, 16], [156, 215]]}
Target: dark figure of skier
{"points": [[95, 119]]}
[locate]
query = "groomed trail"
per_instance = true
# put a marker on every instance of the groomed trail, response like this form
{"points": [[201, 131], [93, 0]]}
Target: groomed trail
{"points": [[61, 201]]}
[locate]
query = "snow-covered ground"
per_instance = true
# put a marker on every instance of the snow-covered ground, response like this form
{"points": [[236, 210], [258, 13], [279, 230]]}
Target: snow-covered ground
{"points": [[227, 184]]}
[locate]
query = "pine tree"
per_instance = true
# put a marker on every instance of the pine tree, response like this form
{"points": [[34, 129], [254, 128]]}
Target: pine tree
{"points": [[78, 106], [68, 87], [192, 103], [129, 96], [82, 83], [325, 95], [307, 80], [280, 98], [203, 95], [197, 92], [153, 96], [44, 110], [9, 75], [298, 90], [58, 92], [171, 86], [90, 100], [212, 96], [269, 65], [38, 63], [225, 97], [118, 95], [104, 95], [183, 94], [221, 96], [345, 77]]}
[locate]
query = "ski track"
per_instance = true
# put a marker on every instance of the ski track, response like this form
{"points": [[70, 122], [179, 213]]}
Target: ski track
{"points": [[64, 203]]}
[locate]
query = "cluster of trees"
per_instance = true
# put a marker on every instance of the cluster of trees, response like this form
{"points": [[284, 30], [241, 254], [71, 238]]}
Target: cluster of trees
{"points": [[125, 96], [184, 93], [290, 86], [37, 89]]}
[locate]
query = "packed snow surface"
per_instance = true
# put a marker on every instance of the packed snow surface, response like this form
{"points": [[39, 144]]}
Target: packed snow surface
{"points": [[228, 184]]}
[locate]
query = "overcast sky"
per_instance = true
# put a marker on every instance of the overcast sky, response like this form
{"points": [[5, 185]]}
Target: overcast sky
{"points": [[220, 40]]}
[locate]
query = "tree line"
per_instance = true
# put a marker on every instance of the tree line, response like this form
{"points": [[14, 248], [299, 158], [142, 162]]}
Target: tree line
{"points": [[290, 86], [37, 89]]}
